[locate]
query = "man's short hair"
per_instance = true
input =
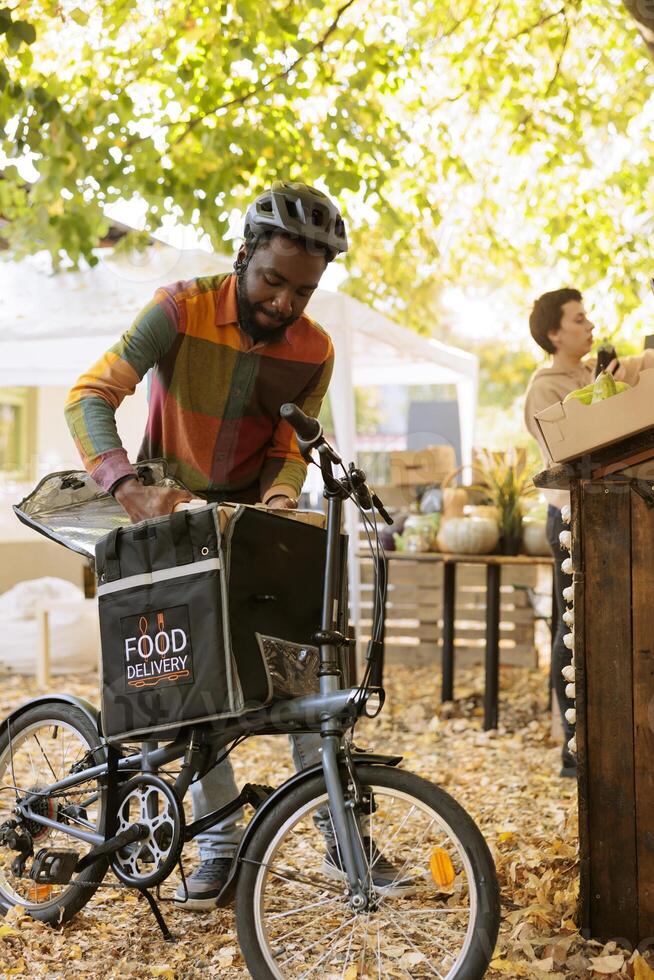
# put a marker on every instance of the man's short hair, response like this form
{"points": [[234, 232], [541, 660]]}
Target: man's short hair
{"points": [[546, 314]]}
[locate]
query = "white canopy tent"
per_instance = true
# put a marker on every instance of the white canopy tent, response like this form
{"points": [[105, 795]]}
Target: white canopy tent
{"points": [[52, 327]]}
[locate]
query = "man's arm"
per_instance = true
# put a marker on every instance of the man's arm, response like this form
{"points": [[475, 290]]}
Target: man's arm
{"points": [[284, 470], [93, 400]]}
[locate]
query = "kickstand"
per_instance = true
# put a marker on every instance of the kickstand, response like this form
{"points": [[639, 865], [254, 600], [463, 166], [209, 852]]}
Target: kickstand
{"points": [[161, 922]]}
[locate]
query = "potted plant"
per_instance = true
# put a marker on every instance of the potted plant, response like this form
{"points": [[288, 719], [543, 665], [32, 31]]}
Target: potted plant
{"points": [[505, 481]]}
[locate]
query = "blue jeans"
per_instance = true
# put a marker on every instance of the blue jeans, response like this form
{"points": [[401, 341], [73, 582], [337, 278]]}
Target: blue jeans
{"points": [[218, 787]]}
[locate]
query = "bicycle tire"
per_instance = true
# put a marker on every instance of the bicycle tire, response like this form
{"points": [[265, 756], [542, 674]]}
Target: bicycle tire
{"points": [[73, 898], [266, 842]]}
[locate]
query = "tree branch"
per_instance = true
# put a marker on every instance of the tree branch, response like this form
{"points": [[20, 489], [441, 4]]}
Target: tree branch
{"points": [[190, 124], [642, 12], [536, 25], [557, 70]]}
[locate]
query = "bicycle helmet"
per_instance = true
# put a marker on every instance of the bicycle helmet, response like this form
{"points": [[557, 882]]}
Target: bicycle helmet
{"points": [[298, 210]]}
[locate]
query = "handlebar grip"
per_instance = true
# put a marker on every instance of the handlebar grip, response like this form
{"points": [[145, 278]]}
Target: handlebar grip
{"points": [[308, 429]]}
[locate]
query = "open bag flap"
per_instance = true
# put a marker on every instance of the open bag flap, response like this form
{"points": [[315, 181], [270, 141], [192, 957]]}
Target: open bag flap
{"points": [[71, 509]]}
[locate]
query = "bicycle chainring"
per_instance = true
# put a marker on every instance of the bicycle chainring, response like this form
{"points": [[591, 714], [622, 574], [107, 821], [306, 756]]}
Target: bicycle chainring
{"points": [[151, 801]]}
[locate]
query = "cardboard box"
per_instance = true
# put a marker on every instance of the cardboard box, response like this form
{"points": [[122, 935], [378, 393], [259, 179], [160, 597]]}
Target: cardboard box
{"points": [[421, 467], [574, 429]]}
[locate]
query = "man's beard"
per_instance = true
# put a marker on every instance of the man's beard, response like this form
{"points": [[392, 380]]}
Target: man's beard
{"points": [[247, 315]]}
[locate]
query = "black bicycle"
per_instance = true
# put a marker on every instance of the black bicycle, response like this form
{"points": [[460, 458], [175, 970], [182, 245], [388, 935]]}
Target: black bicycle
{"points": [[309, 898]]}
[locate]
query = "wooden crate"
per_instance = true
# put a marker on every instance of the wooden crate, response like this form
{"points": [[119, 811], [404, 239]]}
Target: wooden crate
{"points": [[414, 613]]}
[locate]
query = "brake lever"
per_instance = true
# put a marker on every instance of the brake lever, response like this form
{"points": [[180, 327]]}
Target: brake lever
{"points": [[381, 510], [359, 486]]}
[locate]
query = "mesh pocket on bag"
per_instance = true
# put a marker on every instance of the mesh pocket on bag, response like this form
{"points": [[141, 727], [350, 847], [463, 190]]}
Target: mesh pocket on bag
{"points": [[293, 667]]}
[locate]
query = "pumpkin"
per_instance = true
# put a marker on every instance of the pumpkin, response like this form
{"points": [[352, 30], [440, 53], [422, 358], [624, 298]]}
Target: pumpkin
{"points": [[534, 537], [454, 498], [483, 510], [454, 501], [468, 535]]}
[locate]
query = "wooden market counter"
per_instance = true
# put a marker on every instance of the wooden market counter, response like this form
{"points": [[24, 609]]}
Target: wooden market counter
{"points": [[493, 565], [612, 502]]}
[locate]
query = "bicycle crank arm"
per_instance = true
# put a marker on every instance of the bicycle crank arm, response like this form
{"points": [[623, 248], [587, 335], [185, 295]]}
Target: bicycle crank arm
{"points": [[136, 832]]}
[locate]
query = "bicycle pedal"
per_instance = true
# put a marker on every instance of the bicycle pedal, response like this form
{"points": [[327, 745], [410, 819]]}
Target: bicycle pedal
{"points": [[53, 867], [257, 793]]}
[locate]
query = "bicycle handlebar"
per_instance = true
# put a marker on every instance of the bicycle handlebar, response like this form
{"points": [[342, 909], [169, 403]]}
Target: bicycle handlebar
{"points": [[310, 435], [308, 429]]}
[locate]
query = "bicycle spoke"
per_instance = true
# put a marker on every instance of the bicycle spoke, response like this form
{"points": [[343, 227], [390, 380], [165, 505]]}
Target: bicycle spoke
{"points": [[34, 769], [296, 877], [322, 939], [362, 961], [323, 961], [411, 943], [446, 909], [382, 841], [417, 847], [54, 775], [338, 849], [428, 935], [349, 946], [390, 841], [301, 927], [303, 908]]}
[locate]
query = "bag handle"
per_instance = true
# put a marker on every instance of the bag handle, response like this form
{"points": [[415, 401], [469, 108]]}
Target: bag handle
{"points": [[178, 523], [112, 561]]}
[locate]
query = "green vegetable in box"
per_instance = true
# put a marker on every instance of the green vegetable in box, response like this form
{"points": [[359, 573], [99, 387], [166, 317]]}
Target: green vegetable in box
{"points": [[605, 386]]}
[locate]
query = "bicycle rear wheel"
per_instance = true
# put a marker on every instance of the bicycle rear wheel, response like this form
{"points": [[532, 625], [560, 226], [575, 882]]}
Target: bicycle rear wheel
{"points": [[436, 914], [48, 742]]}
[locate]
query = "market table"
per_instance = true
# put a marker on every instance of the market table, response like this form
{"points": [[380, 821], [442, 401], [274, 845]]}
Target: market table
{"points": [[493, 565]]}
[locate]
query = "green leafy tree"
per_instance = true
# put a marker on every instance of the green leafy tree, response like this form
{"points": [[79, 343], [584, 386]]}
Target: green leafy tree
{"points": [[499, 145], [189, 106]]}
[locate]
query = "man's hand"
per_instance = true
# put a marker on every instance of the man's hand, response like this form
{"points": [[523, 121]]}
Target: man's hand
{"points": [[282, 502], [142, 502]]}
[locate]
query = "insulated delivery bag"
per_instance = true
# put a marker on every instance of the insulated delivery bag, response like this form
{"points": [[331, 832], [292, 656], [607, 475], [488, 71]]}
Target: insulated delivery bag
{"points": [[206, 614]]}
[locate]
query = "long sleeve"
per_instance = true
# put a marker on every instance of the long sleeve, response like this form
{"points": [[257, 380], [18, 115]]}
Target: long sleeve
{"points": [[542, 393], [284, 466], [92, 402]]}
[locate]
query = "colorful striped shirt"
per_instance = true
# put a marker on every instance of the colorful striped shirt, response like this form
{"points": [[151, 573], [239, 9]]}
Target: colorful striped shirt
{"points": [[214, 395]]}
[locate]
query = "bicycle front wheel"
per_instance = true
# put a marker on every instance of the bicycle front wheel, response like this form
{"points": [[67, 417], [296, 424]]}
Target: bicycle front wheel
{"points": [[433, 906]]}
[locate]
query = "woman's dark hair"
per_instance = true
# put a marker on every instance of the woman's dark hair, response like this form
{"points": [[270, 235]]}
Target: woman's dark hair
{"points": [[546, 315]]}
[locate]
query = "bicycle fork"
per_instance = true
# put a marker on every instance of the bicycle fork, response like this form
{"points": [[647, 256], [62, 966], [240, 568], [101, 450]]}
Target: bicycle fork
{"points": [[348, 838]]}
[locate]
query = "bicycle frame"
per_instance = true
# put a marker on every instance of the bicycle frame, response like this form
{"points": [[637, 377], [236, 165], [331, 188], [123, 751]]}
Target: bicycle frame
{"points": [[331, 713]]}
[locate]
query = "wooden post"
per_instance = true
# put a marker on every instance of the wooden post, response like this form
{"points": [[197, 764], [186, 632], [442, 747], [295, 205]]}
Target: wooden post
{"points": [[612, 536], [609, 712], [642, 592], [43, 649]]}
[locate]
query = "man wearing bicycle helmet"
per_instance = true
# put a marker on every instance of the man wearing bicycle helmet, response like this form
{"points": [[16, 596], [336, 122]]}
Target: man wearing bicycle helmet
{"points": [[224, 353]]}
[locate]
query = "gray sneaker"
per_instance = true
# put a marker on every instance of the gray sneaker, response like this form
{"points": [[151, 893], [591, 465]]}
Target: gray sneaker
{"points": [[385, 876], [204, 885]]}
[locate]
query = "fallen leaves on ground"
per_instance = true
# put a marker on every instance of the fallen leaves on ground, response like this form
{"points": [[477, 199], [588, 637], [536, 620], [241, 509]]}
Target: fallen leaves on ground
{"points": [[507, 779]]}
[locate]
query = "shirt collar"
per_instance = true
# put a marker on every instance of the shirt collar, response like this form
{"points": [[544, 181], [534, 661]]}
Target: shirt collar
{"points": [[227, 313]]}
